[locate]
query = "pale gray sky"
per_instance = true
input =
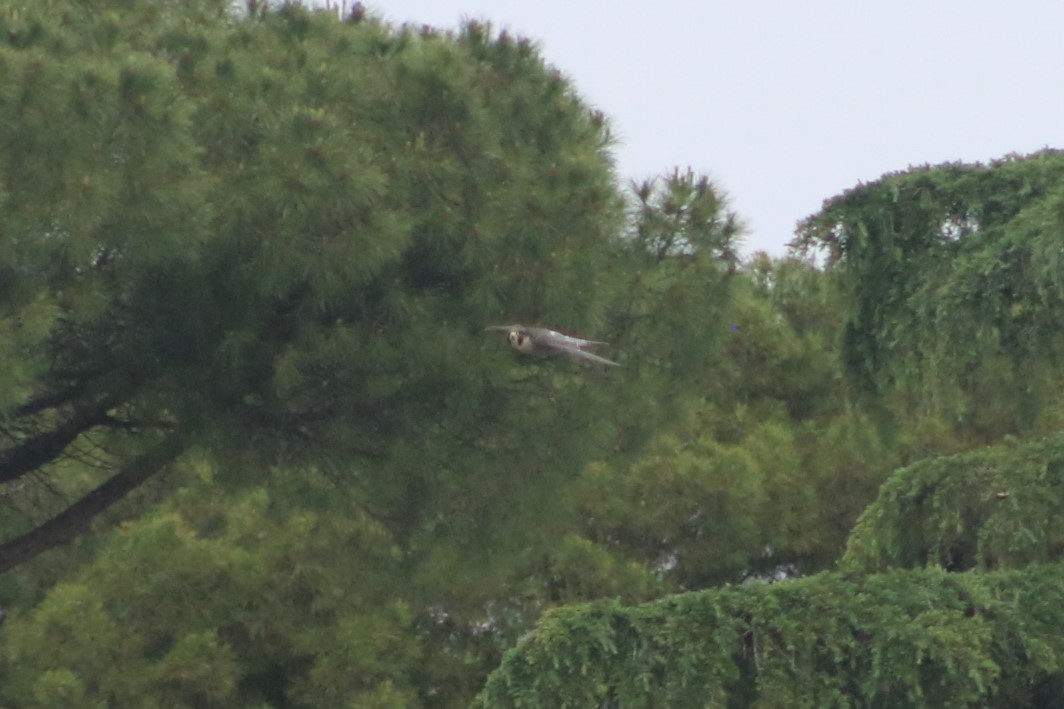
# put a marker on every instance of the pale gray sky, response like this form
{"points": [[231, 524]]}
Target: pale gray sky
{"points": [[787, 103]]}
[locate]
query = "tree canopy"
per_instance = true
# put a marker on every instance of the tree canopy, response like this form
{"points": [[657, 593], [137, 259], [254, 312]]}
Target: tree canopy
{"points": [[893, 628], [946, 303], [954, 283], [258, 254], [240, 236], [256, 449]]}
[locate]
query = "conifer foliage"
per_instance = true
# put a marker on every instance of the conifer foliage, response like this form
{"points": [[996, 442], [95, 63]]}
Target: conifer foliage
{"points": [[893, 627], [257, 252], [277, 239], [949, 304], [954, 275]]}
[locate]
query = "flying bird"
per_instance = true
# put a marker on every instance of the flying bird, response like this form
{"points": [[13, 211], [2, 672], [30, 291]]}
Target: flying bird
{"points": [[541, 342]]}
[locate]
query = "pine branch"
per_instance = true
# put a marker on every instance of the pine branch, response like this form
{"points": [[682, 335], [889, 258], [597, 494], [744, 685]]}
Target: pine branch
{"points": [[37, 450], [46, 401], [63, 528]]}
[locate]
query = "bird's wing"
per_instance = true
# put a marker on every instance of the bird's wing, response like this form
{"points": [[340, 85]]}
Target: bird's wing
{"points": [[575, 347], [586, 356], [556, 340]]}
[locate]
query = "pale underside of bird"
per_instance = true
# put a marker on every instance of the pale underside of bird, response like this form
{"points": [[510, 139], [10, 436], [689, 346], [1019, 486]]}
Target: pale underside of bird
{"points": [[541, 342]]}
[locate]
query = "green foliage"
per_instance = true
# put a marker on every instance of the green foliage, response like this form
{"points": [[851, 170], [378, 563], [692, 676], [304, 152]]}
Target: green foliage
{"points": [[846, 459], [784, 348], [763, 466], [907, 638], [993, 508], [279, 240], [954, 285], [675, 270], [232, 601], [268, 247], [697, 512]]}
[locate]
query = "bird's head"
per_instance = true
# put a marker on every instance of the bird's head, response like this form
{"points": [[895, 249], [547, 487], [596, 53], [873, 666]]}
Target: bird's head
{"points": [[520, 340]]}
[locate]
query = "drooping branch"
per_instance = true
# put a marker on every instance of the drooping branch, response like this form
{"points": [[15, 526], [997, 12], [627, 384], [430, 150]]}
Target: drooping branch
{"points": [[64, 527]]}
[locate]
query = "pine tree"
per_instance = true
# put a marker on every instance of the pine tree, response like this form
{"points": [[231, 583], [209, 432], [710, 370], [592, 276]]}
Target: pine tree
{"points": [[276, 241]]}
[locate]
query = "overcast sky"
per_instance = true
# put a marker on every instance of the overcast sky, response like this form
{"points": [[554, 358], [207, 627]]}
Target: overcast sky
{"points": [[785, 104]]}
